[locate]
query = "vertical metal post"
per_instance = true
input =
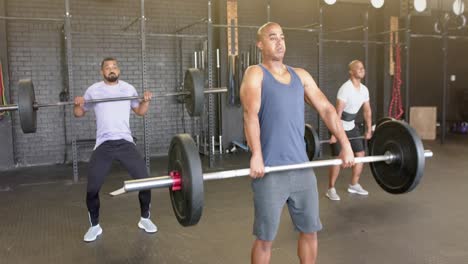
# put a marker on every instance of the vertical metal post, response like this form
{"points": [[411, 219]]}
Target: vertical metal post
{"points": [[320, 125], [219, 98], [180, 78], [146, 136], [407, 65], [445, 79], [211, 121], [69, 54], [268, 11], [366, 46], [220, 144]]}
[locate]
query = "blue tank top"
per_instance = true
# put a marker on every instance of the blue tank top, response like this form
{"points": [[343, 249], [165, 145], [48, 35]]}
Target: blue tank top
{"points": [[281, 118]]}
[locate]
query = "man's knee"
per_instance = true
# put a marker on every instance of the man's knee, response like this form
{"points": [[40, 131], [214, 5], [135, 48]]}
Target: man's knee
{"points": [[360, 154], [309, 236], [264, 245]]}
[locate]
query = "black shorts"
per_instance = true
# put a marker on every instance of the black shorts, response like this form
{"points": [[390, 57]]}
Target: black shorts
{"points": [[356, 144]]}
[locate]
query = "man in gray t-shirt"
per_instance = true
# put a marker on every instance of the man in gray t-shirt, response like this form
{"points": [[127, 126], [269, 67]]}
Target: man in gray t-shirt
{"points": [[352, 95], [114, 141]]}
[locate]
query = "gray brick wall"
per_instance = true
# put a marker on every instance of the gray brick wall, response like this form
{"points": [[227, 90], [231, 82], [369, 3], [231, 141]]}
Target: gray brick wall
{"points": [[36, 50]]}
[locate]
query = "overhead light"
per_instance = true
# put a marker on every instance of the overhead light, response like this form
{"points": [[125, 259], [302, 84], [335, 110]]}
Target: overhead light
{"points": [[330, 2], [458, 7], [377, 3], [420, 5]]}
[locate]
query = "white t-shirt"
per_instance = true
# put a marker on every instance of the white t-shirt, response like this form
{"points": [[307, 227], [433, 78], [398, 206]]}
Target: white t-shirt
{"points": [[112, 118], [353, 99]]}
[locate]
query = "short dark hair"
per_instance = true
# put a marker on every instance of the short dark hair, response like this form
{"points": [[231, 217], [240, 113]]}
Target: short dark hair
{"points": [[107, 59], [263, 27]]}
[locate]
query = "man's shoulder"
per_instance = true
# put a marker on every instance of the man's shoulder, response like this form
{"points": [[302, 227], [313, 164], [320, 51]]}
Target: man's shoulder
{"points": [[95, 86], [298, 70], [254, 69], [364, 87], [347, 85], [254, 72], [126, 84]]}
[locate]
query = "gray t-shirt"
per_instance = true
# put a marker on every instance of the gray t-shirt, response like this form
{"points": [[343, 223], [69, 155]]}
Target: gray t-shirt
{"points": [[112, 118], [353, 99]]}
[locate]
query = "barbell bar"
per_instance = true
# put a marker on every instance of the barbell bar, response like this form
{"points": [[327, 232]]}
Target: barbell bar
{"points": [[170, 181], [327, 141], [397, 163], [194, 92], [36, 106]]}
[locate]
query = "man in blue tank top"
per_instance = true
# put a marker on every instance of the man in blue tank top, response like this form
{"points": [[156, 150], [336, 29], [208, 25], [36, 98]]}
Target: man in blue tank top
{"points": [[273, 96]]}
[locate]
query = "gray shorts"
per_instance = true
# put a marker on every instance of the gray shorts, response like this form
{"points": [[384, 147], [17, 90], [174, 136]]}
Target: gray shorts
{"points": [[298, 189]]}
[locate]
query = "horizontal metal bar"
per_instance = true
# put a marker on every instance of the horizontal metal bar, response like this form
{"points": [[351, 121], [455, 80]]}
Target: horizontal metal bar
{"points": [[169, 35], [33, 18], [301, 29], [453, 37], [206, 91], [105, 33], [88, 101], [257, 27], [360, 42], [167, 181], [347, 41], [351, 138], [148, 183], [312, 164], [216, 90], [387, 31], [310, 25], [234, 26], [388, 157], [202, 20], [425, 36], [166, 35], [11, 107], [343, 30]]}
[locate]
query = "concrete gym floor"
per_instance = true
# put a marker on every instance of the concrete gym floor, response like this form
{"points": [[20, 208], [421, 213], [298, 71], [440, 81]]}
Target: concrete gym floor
{"points": [[43, 218]]}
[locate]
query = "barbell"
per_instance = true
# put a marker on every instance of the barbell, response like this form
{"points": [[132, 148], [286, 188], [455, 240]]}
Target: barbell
{"points": [[313, 141], [194, 91], [397, 163]]}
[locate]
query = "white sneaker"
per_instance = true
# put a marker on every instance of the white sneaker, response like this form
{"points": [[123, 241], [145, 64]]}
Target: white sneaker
{"points": [[93, 233], [147, 225], [357, 189], [332, 195]]}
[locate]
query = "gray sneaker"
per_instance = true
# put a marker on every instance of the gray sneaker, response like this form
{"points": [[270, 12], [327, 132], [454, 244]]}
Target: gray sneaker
{"points": [[357, 189], [332, 195], [147, 225], [93, 233]]}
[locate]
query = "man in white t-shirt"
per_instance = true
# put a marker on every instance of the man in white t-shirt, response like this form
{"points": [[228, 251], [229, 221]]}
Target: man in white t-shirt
{"points": [[352, 95], [114, 141]]}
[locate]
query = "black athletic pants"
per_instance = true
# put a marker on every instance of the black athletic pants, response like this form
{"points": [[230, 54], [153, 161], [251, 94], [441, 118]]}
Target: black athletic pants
{"points": [[99, 166]]}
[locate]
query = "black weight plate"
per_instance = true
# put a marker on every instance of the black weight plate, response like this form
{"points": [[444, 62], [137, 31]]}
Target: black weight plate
{"points": [[188, 201], [26, 101], [405, 172], [384, 119], [312, 142], [194, 83]]}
